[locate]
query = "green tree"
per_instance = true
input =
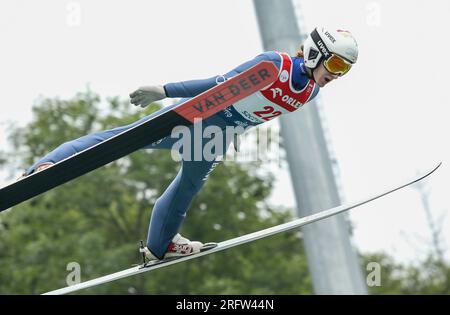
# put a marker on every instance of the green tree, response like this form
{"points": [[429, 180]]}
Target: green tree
{"points": [[97, 220], [430, 276]]}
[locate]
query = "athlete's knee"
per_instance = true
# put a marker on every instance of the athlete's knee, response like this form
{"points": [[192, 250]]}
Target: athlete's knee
{"points": [[190, 186]]}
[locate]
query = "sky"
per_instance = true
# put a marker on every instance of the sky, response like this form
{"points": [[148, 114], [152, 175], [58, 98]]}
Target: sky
{"points": [[387, 118]]}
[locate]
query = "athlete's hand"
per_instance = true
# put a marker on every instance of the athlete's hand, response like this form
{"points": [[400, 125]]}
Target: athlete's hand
{"points": [[145, 95]]}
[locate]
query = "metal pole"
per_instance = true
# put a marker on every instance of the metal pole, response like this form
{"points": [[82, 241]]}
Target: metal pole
{"points": [[332, 260]]}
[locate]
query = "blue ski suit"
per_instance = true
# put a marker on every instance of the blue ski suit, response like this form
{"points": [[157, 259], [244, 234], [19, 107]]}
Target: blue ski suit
{"points": [[171, 207]]}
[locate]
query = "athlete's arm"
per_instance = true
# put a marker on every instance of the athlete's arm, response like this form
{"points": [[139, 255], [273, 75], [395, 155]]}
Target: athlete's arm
{"points": [[194, 87], [145, 95]]}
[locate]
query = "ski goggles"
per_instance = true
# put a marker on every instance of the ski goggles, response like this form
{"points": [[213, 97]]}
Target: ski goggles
{"points": [[334, 63], [337, 65]]}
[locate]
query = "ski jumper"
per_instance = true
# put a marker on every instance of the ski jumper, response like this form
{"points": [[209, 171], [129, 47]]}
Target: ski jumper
{"points": [[289, 92]]}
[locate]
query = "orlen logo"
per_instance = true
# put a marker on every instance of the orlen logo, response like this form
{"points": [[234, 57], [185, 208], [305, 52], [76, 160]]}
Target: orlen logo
{"points": [[323, 49], [330, 37], [276, 91], [286, 98]]}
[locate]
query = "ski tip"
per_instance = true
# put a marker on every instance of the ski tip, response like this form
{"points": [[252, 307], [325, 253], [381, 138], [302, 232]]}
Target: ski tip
{"points": [[431, 171], [436, 167]]}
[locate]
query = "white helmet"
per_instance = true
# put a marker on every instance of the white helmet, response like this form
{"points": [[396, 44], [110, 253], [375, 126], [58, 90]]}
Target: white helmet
{"points": [[321, 44]]}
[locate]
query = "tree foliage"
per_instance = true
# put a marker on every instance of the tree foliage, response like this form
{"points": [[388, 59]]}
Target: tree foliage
{"points": [[430, 276]]}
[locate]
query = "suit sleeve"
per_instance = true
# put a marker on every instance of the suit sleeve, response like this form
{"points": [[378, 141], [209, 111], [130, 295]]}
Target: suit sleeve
{"points": [[194, 87]]}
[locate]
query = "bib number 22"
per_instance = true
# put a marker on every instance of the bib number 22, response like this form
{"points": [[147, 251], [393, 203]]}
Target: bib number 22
{"points": [[267, 114]]}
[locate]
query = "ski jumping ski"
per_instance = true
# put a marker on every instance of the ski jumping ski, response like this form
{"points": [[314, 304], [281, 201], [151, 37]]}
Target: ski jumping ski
{"points": [[242, 239], [199, 107]]}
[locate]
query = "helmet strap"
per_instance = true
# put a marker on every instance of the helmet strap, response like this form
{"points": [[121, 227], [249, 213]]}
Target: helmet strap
{"points": [[304, 69], [309, 73]]}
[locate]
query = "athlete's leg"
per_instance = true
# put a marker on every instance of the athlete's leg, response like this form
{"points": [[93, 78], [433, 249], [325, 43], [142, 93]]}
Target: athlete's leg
{"points": [[70, 148], [171, 207]]}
